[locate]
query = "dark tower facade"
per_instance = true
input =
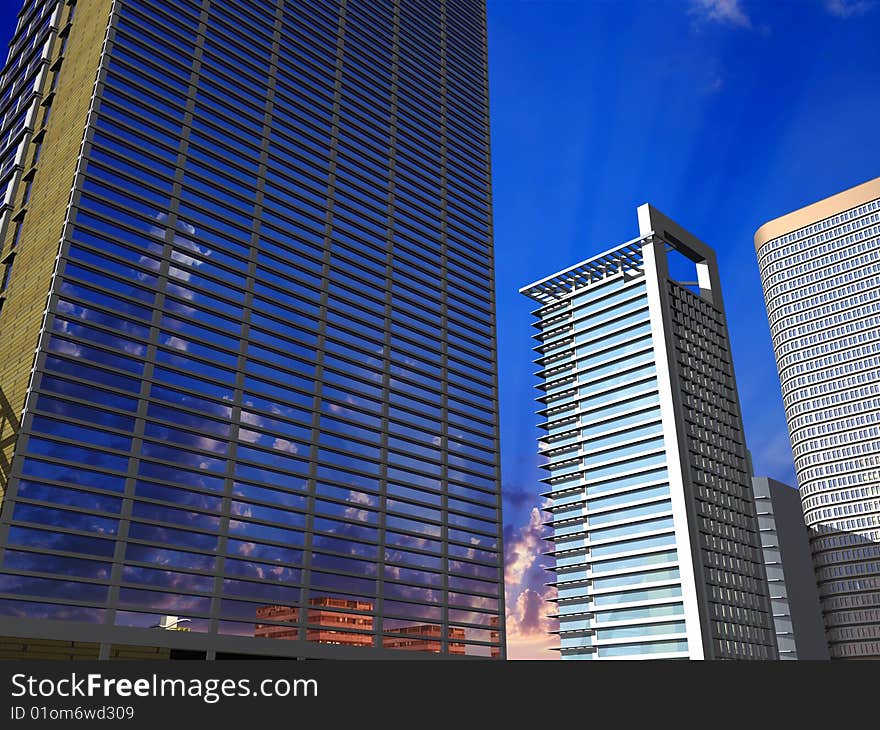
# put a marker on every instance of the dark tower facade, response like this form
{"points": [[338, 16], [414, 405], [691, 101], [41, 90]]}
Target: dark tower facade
{"points": [[247, 337]]}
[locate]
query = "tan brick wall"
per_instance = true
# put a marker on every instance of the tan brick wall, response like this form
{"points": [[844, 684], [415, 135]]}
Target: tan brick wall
{"points": [[12, 648], [34, 264]]}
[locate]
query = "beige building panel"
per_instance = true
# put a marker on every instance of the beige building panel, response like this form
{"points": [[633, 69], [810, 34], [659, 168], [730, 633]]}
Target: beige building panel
{"points": [[848, 199]]}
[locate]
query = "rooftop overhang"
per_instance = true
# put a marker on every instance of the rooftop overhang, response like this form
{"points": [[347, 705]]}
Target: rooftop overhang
{"points": [[818, 211]]}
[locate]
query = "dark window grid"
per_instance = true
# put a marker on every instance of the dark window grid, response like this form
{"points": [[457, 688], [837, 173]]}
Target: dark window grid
{"points": [[49, 553], [296, 79], [26, 17], [133, 172], [149, 79], [143, 54], [353, 105], [475, 209], [363, 48], [418, 57], [155, 102], [466, 152], [198, 183], [353, 253], [112, 102], [474, 171], [357, 137], [166, 14], [99, 176], [364, 93], [415, 184], [235, 14], [375, 74], [350, 158], [371, 148], [465, 115], [212, 108], [212, 117], [233, 87], [221, 512], [416, 113], [482, 314], [459, 182], [66, 507], [65, 530], [167, 47], [368, 81], [220, 265], [479, 146], [124, 297], [304, 49], [225, 46], [298, 113], [320, 23], [467, 13], [470, 89], [379, 32], [428, 219], [326, 10], [409, 337], [422, 135], [277, 383], [65, 601], [463, 61], [354, 111], [296, 122]]}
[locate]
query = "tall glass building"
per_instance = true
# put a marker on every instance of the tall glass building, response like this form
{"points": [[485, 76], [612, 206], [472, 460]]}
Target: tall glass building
{"points": [[247, 338], [656, 544], [820, 267]]}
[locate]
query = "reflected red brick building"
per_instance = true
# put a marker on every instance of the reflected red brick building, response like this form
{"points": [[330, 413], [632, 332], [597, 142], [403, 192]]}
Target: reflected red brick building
{"points": [[333, 626], [331, 623], [495, 636], [424, 637]]}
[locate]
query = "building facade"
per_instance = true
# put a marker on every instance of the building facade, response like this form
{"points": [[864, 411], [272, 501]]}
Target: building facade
{"points": [[794, 598], [247, 338], [819, 268], [653, 519]]}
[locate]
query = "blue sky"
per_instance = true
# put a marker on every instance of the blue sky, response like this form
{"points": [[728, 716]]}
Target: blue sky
{"points": [[721, 113]]}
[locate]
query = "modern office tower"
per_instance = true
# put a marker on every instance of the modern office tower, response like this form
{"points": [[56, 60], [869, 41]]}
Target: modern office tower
{"points": [[819, 267], [797, 617], [247, 345], [654, 526]]}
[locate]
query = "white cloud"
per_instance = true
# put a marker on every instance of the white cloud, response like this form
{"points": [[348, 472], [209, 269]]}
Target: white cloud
{"points": [[285, 445], [848, 8], [524, 549], [725, 12]]}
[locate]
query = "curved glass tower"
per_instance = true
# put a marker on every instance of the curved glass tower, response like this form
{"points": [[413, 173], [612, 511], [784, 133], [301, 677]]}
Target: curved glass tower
{"points": [[654, 525], [820, 267]]}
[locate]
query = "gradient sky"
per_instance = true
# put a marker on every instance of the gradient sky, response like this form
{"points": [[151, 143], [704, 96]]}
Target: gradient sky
{"points": [[721, 113]]}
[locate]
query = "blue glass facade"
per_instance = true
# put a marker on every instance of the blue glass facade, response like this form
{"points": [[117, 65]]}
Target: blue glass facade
{"points": [[268, 374]]}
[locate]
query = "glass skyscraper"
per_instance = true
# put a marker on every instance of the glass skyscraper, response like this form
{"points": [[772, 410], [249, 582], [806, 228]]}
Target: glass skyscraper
{"points": [[656, 544], [247, 343], [820, 267]]}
